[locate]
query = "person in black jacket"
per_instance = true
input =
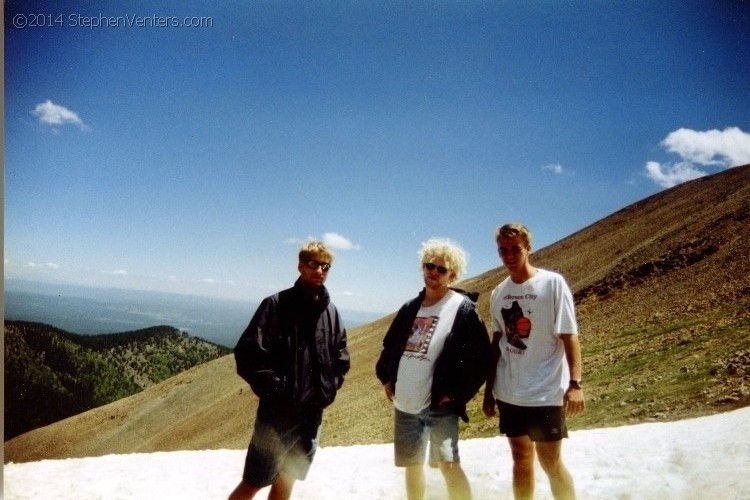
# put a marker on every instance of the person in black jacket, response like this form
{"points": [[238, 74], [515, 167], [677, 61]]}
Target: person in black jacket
{"points": [[294, 356], [434, 360]]}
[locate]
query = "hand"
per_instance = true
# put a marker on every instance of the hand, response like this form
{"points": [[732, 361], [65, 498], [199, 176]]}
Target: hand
{"points": [[573, 402], [389, 391], [488, 405], [446, 404], [444, 400]]}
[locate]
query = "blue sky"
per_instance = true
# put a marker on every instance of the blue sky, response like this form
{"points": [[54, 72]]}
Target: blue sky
{"points": [[147, 154]]}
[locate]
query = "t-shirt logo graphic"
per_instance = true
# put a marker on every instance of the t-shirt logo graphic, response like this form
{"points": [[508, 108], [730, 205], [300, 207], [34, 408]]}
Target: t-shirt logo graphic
{"points": [[517, 326], [421, 334]]}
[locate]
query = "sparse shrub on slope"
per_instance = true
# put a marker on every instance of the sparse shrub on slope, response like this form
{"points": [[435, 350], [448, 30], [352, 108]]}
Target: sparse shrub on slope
{"points": [[154, 354]]}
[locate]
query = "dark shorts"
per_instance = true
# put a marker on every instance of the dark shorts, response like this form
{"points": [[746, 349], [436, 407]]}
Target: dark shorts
{"points": [[284, 439], [540, 423], [412, 432]]}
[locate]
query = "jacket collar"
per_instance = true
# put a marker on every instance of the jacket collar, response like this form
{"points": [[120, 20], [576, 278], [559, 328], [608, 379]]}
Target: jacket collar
{"points": [[305, 295], [472, 296]]}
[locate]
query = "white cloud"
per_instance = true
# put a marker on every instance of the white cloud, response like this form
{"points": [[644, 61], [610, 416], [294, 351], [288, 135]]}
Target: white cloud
{"points": [[727, 148], [338, 242], [668, 176], [555, 168], [48, 265], [712, 148], [333, 240], [119, 272], [54, 114]]}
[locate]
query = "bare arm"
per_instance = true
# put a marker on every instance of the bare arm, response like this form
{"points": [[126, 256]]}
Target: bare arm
{"points": [[574, 401], [488, 402], [389, 391]]}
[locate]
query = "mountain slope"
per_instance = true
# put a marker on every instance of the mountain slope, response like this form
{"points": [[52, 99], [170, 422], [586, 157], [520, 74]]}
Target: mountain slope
{"points": [[663, 300], [51, 374]]}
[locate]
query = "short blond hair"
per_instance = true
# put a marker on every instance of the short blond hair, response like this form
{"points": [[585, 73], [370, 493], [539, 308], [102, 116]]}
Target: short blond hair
{"points": [[513, 230], [312, 249], [454, 256]]}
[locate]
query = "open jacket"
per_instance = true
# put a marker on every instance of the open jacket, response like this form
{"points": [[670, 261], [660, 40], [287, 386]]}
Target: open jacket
{"points": [[270, 355], [461, 367]]}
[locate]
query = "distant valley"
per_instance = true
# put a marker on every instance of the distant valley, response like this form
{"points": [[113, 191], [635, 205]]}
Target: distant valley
{"points": [[89, 310]]}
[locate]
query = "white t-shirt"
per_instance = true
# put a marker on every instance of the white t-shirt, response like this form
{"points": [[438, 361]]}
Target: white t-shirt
{"points": [[423, 347], [532, 370]]}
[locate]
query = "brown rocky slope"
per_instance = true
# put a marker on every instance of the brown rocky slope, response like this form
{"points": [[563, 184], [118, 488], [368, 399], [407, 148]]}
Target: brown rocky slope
{"points": [[662, 289]]}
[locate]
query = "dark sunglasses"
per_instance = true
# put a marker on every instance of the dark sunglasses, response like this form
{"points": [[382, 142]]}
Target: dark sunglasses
{"points": [[431, 267], [314, 264]]}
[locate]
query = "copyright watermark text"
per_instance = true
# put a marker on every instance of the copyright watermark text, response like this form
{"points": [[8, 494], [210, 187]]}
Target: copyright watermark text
{"points": [[22, 21]]}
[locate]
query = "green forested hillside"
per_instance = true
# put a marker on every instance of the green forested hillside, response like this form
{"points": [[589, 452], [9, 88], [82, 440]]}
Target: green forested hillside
{"points": [[51, 374]]}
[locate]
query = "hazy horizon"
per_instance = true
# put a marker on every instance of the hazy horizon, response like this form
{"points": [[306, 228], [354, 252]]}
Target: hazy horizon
{"points": [[91, 310]]}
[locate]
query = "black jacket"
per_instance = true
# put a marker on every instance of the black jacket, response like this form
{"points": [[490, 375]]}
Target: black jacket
{"points": [[294, 350], [462, 366]]}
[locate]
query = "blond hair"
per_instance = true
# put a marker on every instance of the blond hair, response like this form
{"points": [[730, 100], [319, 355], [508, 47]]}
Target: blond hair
{"points": [[312, 249], [514, 230], [454, 256]]}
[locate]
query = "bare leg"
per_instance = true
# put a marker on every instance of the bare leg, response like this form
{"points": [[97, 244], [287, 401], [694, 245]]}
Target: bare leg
{"points": [[455, 478], [560, 480], [415, 484], [243, 491], [522, 449], [282, 488]]}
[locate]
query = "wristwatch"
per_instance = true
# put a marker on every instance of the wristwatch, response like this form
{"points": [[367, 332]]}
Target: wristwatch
{"points": [[576, 383]]}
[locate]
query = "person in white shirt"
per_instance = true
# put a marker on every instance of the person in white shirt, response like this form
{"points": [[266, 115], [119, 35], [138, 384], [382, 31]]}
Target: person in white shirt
{"points": [[535, 378], [434, 360]]}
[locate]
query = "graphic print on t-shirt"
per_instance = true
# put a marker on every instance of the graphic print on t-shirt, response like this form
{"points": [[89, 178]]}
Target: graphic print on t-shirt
{"points": [[421, 334], [517, 326]]}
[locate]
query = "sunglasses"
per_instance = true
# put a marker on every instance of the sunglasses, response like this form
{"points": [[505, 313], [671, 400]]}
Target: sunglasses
{"points": [[431, 267], [314, 264]]}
